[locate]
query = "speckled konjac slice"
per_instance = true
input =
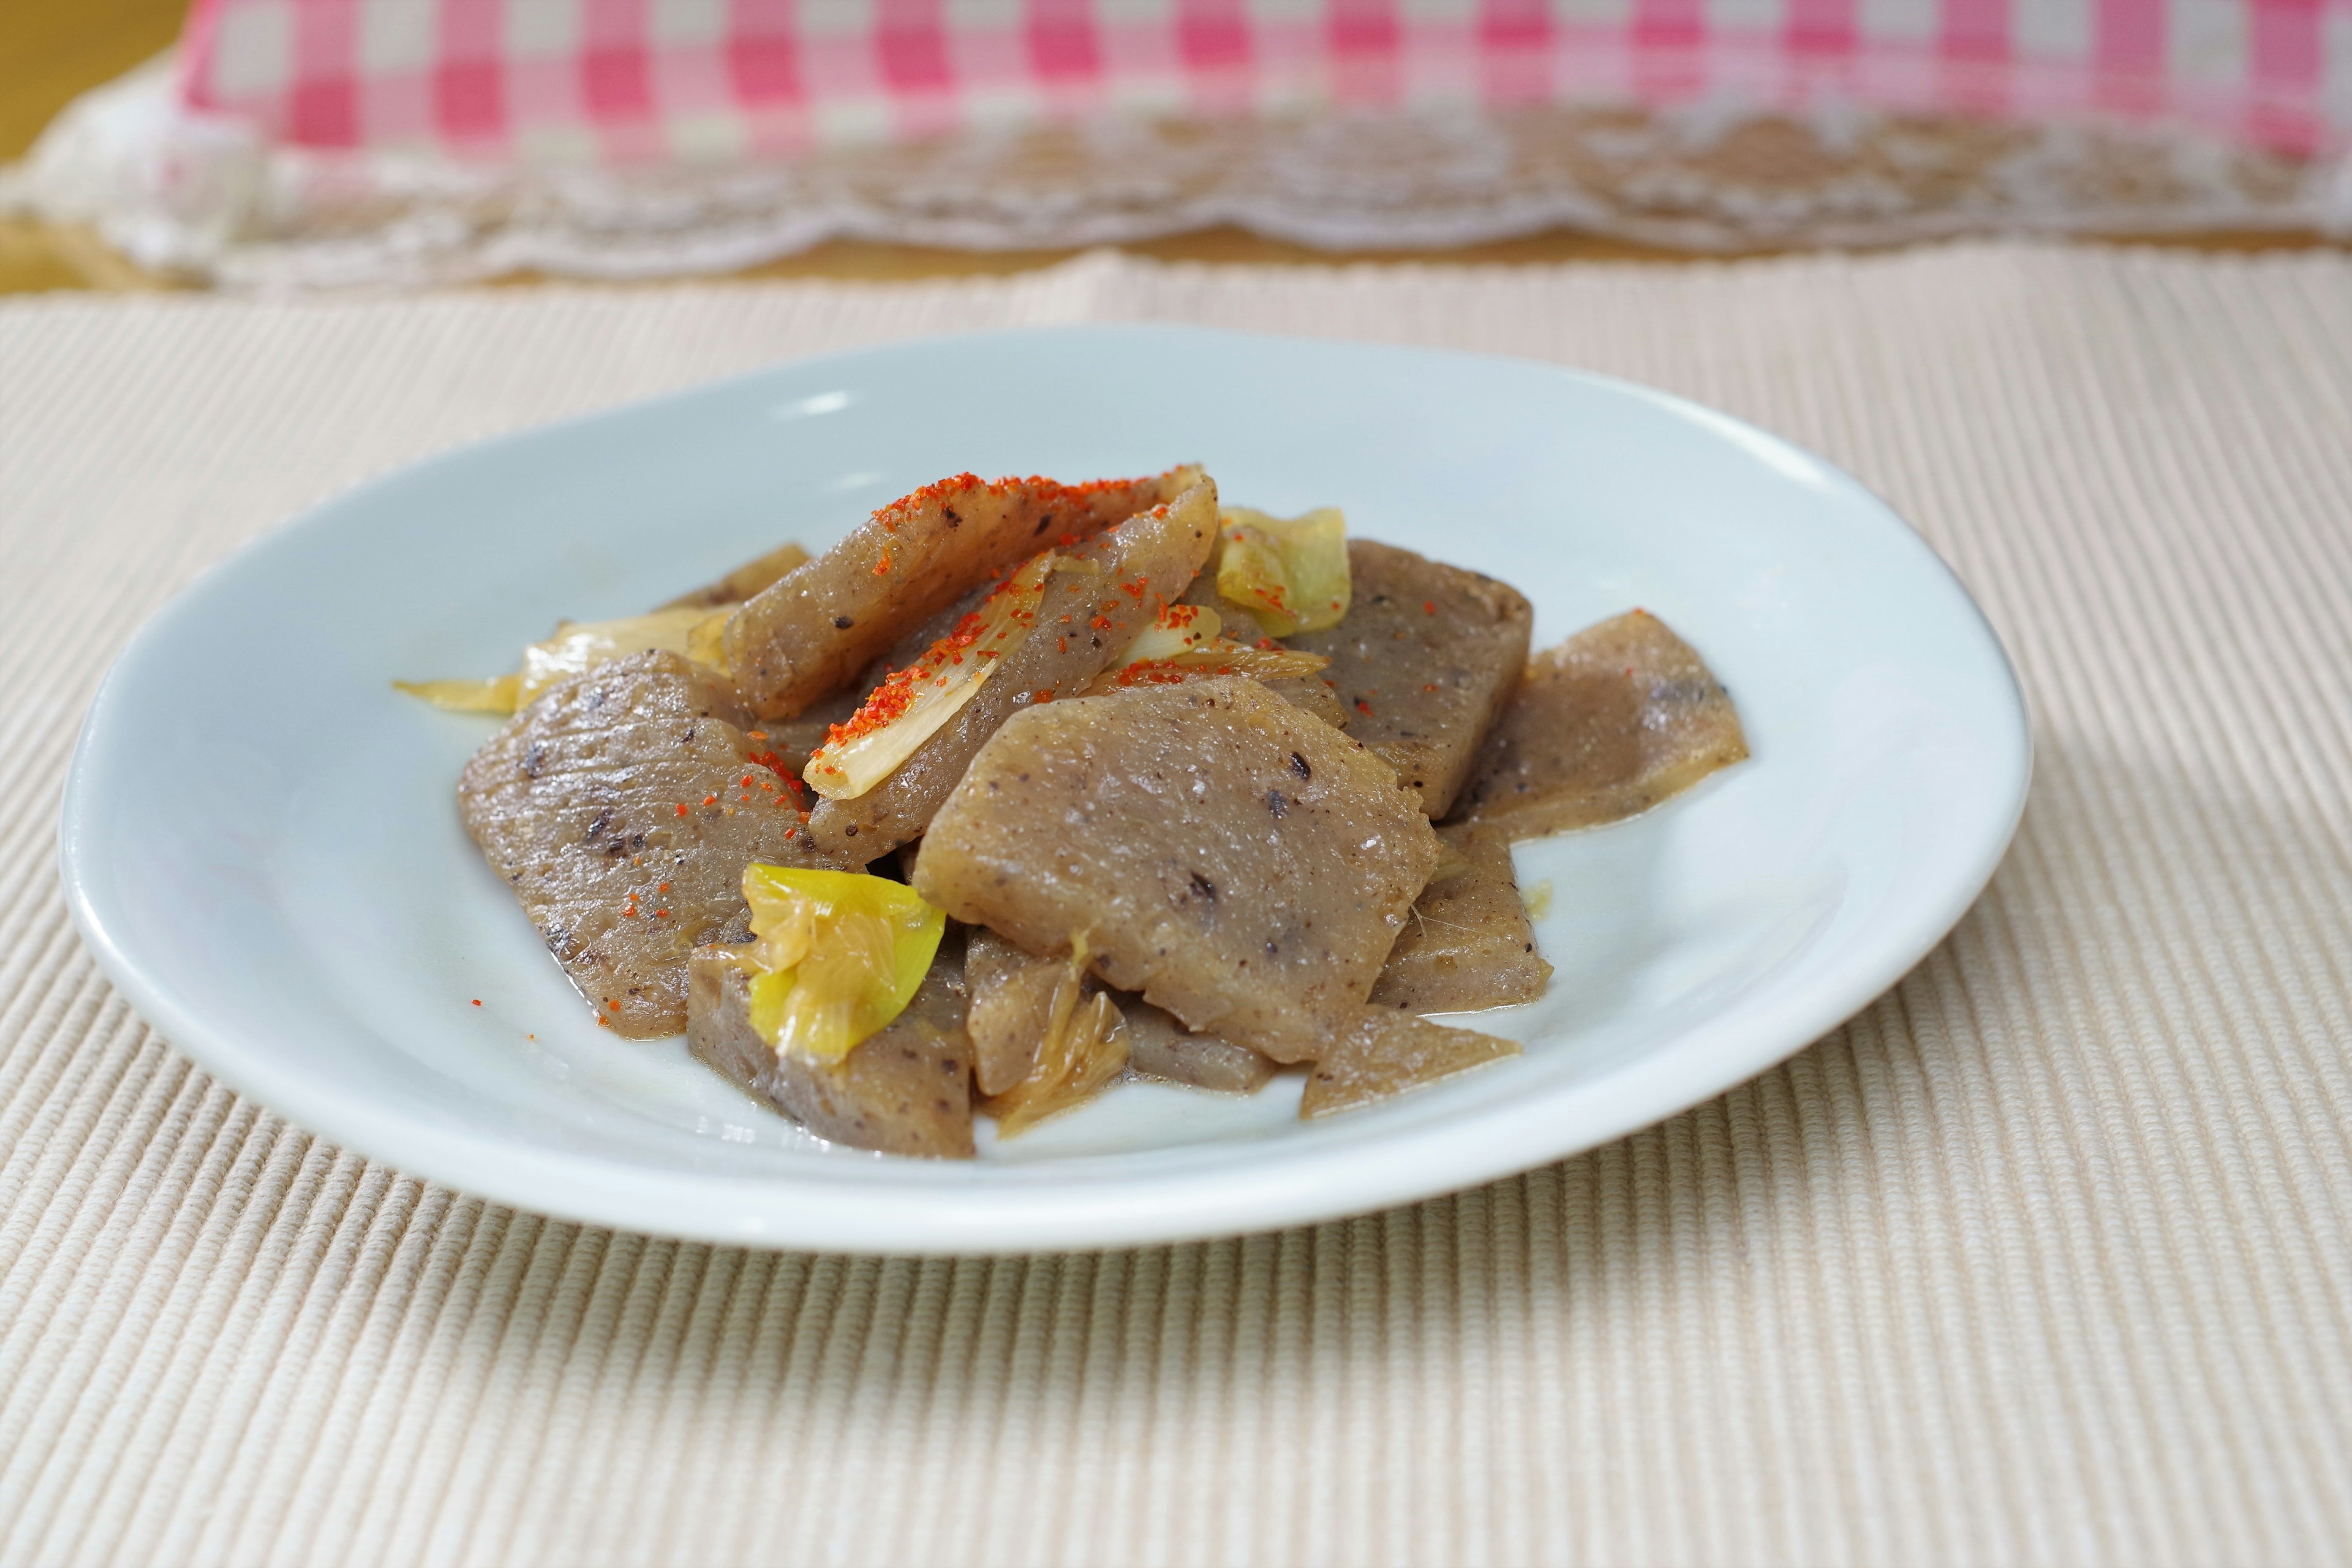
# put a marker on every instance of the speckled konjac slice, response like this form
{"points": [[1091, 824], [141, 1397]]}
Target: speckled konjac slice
{"points": [[622, 808], [1424, 659], [1615, 719], [1236, 861], [1084, 620], [1384, 1054], [809, 632], [906, 1089], [1469, 944], [1159, 1047]]}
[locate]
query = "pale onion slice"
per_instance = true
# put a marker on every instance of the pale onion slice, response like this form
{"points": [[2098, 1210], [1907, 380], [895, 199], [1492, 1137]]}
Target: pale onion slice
{"points": [[579, 645], [910, 704], [1177, 628], [1085, 1046], [1289, 572], [1221, 657]]}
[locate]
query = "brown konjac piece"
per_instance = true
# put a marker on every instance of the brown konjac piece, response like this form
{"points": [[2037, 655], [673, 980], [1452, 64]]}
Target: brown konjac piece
{"points": [[905, 1090], [807, 633], [1422, 662], [1469, 944], [1084, 621], [1387, 1053], [575, 804], [1620, 717], [1159, 1047], [1237, 862], [744, 581], [1012, 1004]]}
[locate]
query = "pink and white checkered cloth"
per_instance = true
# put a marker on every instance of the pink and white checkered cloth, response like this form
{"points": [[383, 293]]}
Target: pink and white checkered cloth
{"points": [[619, 81]]}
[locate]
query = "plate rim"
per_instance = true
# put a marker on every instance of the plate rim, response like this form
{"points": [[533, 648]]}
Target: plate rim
{"points": [[544, 1181]]}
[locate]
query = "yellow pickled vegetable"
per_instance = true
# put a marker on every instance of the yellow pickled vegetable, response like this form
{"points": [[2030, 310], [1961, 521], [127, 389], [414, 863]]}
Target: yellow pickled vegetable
{"points": [[1291, 573], [835, 955], [577, 645]]}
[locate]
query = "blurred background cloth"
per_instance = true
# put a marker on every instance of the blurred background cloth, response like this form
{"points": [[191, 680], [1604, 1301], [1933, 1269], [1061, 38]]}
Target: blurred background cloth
{"points": [[292, 144]]}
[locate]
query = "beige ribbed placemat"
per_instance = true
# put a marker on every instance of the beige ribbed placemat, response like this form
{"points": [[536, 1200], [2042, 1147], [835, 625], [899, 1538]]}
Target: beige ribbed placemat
{"points": [[2047, 1257]]}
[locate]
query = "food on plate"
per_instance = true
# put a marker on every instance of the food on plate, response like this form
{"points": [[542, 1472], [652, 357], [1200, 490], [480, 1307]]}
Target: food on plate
{"points": [[1158, 1046], [1426, 656], [1095, 600], [1058, 785], [1237, 861], [1469, 944], [805, 635], [621, 809], [1613, 720], [1382, 1054], [904, 1090]]}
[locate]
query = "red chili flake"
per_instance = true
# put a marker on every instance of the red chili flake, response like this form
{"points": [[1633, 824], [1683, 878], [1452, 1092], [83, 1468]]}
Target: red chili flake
{"points": [[630, 913], [1137, 589], [1362, 705], [755, 734], [663, 888], [1062, 644], [1100, 622], [1429, 606], [681, 811], [882, 567], [613, 1007], [1042, 694], [1067, 540], [744, 782], [600, 1022], [661, 914], [1065, 620], [478, 1001], [791, 832], [1430, 688], [711, 799]]}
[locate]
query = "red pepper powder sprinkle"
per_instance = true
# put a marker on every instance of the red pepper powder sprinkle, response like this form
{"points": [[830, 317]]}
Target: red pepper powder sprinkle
{"points": [[710, 800], [1432, 686], [882, 567], [1362, 705], [681, 810], [1429, 606], [613, 1007], [478, 1001]]}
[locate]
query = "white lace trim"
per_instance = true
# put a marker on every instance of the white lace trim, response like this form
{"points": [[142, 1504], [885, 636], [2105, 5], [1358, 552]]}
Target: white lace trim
{"points": [[206, 200]]}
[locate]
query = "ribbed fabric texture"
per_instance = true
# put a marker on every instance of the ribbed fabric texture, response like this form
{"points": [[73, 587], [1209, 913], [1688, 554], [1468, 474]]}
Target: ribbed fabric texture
{"points": [[2045, 1258]]}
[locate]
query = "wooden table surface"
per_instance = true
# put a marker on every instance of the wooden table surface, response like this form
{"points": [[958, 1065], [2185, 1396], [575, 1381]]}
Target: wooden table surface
{"points": [[52, 50]]}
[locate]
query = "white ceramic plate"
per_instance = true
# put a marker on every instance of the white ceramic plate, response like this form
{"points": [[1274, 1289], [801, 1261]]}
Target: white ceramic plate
{"points": [[300, 911]]}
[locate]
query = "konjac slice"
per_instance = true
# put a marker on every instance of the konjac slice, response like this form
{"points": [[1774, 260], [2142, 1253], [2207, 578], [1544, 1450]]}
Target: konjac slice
{"points": [[1384, 1054], [812, 630], [621, 809], [1092, 608], [1425, 659], [1236, 861], [906, 1089], [1158, 1046], [1469, 944], [1620, 717]]}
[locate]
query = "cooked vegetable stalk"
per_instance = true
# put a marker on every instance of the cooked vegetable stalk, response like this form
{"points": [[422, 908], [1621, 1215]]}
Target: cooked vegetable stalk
{"points": [[621, 809], [1241, 864], [576, 645], [1620, 717], [1469, 944], [836, 955], [1291, 574], [810, 632], [906, 1089], [1080, 1048], [1424, 661], [1085, 617], [1385, 1053], [1011, 1002]]}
